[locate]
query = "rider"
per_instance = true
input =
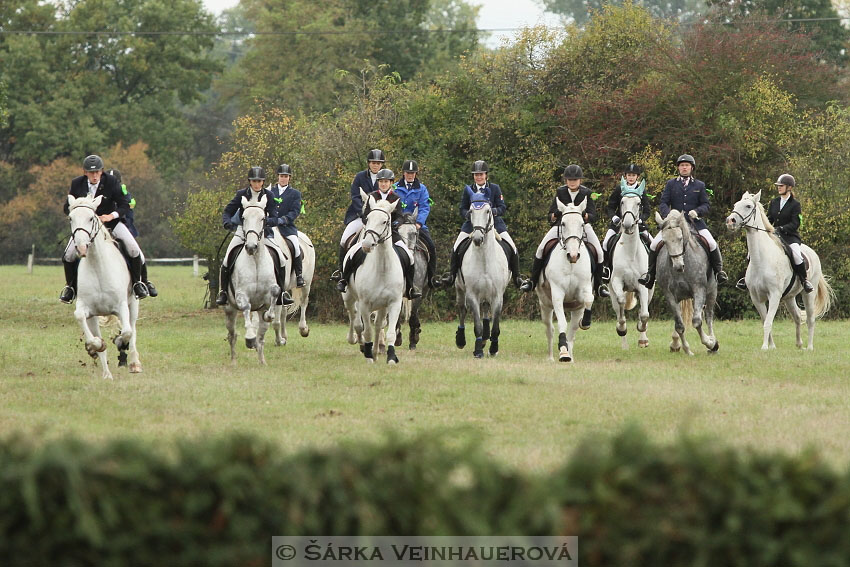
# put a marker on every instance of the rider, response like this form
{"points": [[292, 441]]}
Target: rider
{"points": [[287, 207], [493, 192], [687, 194], [254, 191], [784, 214], [629, 181], [573, 193], [414, 195], [368, 181], [112, 209], [129, 220], [384, 191]]}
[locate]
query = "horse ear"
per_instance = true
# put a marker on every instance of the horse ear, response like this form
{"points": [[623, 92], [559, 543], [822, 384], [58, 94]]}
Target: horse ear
{"points": [[244, 202], [363, 195], [757, 196], [658, 218], [263, 201], [395, 204], [97, 201], [71, 200], [415, 212], [561, 207], [583, 205]]}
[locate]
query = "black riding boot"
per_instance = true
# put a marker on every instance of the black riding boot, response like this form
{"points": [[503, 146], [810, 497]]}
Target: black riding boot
{"points": [[139, 288], [337, 275], [297, 267], [717, 265], [513, 264], [430, 276], [151, 288], [449, 279], [606, 266], [342, 284], [800, 271], [280, 278], [648, 279], [223, 283], [601, 288], [69, 292], [536, 269], [413, 292]]}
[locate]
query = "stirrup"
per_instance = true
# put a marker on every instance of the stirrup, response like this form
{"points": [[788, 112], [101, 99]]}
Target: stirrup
{"points": [[67, 294], [341, 285], [286, 299], [602, 291], [222, 298], [741, 284], [807, 286], [436, 282], [721, 277], [447, 278], [140, 290], [527, 285], [414, 293], [606, 274], [299, 281], [336, 276], [151, 289]]}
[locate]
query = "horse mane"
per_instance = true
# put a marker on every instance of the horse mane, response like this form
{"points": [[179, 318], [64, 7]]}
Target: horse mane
{"points": [[771, 232], [88, 202]]}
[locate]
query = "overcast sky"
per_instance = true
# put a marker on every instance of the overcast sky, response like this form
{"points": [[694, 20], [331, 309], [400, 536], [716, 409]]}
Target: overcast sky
{"points": [[494, 14]]}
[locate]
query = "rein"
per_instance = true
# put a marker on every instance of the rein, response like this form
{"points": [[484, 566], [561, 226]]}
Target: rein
{"points": [[486, 228], [380, 237], [745, 220], [95, 229]]}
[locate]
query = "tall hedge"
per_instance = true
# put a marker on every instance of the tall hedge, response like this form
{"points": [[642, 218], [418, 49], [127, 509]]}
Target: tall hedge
{"points": [[219, 501]]}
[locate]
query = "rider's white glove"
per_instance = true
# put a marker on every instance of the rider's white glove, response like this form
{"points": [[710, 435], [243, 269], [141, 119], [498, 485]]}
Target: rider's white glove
{"points": [[615, 219], [693, 214]]}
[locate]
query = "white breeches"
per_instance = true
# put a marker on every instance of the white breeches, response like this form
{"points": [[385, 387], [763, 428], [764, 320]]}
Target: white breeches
{"points": [[712, 244], [351, 228], [120, 232], [589, 235], [295, 245], [796, 253], [503, 235], [608, 236], [239, 238]]}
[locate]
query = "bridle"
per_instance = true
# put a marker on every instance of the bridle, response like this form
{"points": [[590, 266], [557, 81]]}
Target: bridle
{"points": [[489, 226], [258, 233], [563, 241], [745, 219], [96, 225], [684, 243], [385, 233]]}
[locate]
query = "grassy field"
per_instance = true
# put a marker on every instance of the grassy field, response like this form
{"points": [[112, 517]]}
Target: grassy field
{"points": [[319, 390]]}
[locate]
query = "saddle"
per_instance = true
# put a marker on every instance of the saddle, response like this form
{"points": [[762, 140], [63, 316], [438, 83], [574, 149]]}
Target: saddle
{"points": [[704, 243], [790, 256], [356, 260], [550, 246], [612, 244], [464, 246]]}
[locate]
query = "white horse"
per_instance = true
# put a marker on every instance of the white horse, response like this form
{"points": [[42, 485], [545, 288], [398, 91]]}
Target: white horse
{"points": [[769, 272], [300, 295], [685, 277], [103, 284], [253, 287], [377, 285], [567, 281], [481, 281], [629, 262]]}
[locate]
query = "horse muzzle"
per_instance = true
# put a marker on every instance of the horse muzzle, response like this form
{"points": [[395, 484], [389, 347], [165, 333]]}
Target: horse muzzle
{"points": [[732, 223], [250, 249], [573, 257], [82, 250]]}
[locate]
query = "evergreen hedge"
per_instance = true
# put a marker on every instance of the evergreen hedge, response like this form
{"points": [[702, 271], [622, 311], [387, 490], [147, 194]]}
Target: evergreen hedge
{"points": [[219, 501]]}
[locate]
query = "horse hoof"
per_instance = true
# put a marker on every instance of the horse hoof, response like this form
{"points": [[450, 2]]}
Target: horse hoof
{"points": [[623, 332], [715, 348], [478, 354], [564, 355], [398, 340], [643, 344], [107, 376], [675, 349], [305, 332], [370, 360], [251, 343], [102, 346], [122, 358], [136, 368], [460, 338], [268, 318]]}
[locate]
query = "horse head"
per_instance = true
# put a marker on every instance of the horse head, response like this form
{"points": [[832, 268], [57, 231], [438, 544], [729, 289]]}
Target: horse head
{"points": [[253, 222], [676, 234], [85, 223], [408, 230], [630, 211], [378, 225], [480, 217], [571, 228], [744, 211]]}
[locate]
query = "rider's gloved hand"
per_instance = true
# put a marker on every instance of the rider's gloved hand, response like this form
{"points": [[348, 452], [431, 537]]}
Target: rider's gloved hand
{"points": [[229, 226], [693, 214], [615, 219]]}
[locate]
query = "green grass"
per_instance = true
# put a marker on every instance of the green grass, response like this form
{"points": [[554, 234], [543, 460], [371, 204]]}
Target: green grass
{"points": [[319, 390]]}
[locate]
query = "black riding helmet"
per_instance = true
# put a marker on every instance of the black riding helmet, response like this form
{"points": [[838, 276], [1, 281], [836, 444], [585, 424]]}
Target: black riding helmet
{"points": [[786, 179], [633, 168], [376, 155], [480, 166], [385, 174], [410, 166], [256, 173], [92, 163], [284, 169], [686, 158], [573, 171], [116, 174]]}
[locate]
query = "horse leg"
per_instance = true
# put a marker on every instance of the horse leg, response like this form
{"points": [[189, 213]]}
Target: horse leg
{"points": [[564, 354], [414, 325], [546, 314], [618, 303], [698, 319], [643, 317], [772, 306], [809, 304], [279, 340], [135, 363], [478, 326], [263, 326], [366, 331], [250, 329], [496, 329], [94, 343], [101, 354], [679, 340], [460, 334], [303, 328], [392, 323], [791, 306], [230, 323], [575, 320]]}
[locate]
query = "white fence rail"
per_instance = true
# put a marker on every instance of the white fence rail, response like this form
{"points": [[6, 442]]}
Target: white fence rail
{"points": [[195, 261]]}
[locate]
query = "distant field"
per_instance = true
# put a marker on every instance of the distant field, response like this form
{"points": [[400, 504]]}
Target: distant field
{"points": [[319, 390]]}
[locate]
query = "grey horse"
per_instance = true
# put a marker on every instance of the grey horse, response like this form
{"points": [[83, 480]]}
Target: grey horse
{"points": [[685, 277], [410, 308]]}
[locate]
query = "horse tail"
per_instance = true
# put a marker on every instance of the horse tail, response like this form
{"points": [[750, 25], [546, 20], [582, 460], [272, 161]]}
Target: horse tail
{"points": [[630, 300], [825, 297], [687, 308]]}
